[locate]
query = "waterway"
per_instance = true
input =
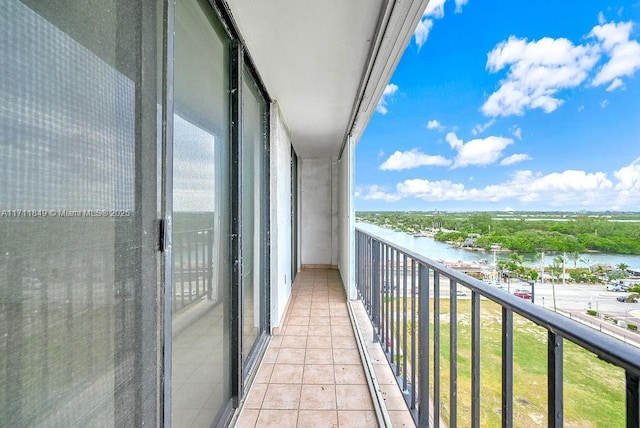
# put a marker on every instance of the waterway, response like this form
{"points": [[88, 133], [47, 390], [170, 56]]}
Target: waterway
{"points": [[437, 250]]}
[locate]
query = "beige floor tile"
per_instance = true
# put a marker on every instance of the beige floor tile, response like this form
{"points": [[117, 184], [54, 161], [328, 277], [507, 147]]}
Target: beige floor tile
{"points": [[341, 330], [341, 321], [277, 419], [321, 330], [291, 356], [295, 330], [255, 396], [357, 419], [271, 355], [247, 418], [318, 374], [344, 342], [276, 341], [299, 342], [353, 397], [282, 397], [300, 312], [340, 311], [294, 320], [287, 373], [313, 321], [318, 418], [319, 312], [264, 373], [319, 342], [346, 356], [318, 397], [318, 356], [349, 375], [321, 305]]}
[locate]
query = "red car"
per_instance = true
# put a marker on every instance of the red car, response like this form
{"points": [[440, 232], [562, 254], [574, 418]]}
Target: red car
{"points": [[523, 294]]}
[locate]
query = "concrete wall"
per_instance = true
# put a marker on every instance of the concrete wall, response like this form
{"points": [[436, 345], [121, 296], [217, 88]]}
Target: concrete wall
{"points": [[280, 182], [346, 220], [319, 211]]}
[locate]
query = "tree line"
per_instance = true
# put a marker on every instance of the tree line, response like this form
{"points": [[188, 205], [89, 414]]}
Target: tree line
{"points": [[575, 234]]}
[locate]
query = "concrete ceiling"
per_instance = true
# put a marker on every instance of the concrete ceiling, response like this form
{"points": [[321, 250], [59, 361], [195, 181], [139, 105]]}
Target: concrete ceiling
{"points": [[315, 58]]}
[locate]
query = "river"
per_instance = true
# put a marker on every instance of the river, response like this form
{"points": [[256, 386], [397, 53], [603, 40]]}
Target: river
{"points": [[437, 250]]}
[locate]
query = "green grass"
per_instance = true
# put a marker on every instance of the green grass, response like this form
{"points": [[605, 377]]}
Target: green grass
{"points": [[594, 391]]}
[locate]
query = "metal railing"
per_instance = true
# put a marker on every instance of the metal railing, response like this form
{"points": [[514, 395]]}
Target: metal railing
{"points": [[401, 291], [192, 267]]}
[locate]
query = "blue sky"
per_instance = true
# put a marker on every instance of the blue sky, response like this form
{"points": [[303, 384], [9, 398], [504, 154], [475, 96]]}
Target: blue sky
{"points": [[509, 105]]}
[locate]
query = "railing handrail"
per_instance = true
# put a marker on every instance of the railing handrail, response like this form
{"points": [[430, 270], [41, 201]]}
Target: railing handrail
{"points": [[607, 348]]}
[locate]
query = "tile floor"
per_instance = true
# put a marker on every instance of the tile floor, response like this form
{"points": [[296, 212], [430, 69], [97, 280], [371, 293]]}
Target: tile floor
{"points": [[312, 375]]}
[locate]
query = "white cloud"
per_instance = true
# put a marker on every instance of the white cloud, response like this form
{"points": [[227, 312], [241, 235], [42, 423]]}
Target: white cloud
{"points": [[412, 159], [580, 109], [435, 8], [601, 18], [481, 127], [459, 4], [376, 193], [568, 189], [537, 70], [421, 34], [517, 132], [604, 103], [617, 83], [518, 157], [629, 177], [389, 91], [480, 151], [624, 54], [434, 124]]}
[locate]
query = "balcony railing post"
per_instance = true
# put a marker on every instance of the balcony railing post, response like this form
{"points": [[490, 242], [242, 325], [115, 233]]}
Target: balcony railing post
{"points": [[554, 384], [507, 368], [375, 298], [475, 360], [633, 400], [453, 353], [423, 323]]}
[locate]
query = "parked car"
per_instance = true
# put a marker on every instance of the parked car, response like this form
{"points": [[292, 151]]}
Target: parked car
{"points": [[523, 294], [625, 299], [617, 287], [460, 293]]}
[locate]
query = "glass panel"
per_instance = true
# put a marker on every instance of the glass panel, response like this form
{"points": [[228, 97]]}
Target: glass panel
{"points": [[253, 203], [200, 354], [76, 259]]}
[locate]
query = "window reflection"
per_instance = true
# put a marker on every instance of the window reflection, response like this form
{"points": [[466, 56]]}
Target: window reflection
{"points": [[201, 368], [71, 347]]}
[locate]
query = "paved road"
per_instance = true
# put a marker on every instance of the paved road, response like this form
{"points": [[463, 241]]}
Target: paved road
{"points": [[574, 300]]}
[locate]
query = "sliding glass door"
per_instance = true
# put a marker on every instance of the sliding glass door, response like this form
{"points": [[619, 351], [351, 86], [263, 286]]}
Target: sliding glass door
{"points": [[201, 357], [253, 214]]}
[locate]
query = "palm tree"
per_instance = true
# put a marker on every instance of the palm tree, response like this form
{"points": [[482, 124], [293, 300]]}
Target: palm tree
{"points": [[623, 267], [555, 268], [575, 257], [587, 262]]}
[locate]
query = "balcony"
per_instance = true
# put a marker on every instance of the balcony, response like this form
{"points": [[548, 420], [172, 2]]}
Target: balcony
{"points": [[412, 372], [313, 374]]}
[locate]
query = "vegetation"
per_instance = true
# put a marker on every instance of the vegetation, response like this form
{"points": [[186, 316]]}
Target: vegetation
{"points": [[526, 233], [587, 379]]}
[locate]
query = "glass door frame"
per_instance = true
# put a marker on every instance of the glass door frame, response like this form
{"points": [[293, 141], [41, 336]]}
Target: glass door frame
{"points": [[239, 61], [244, 369]]}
